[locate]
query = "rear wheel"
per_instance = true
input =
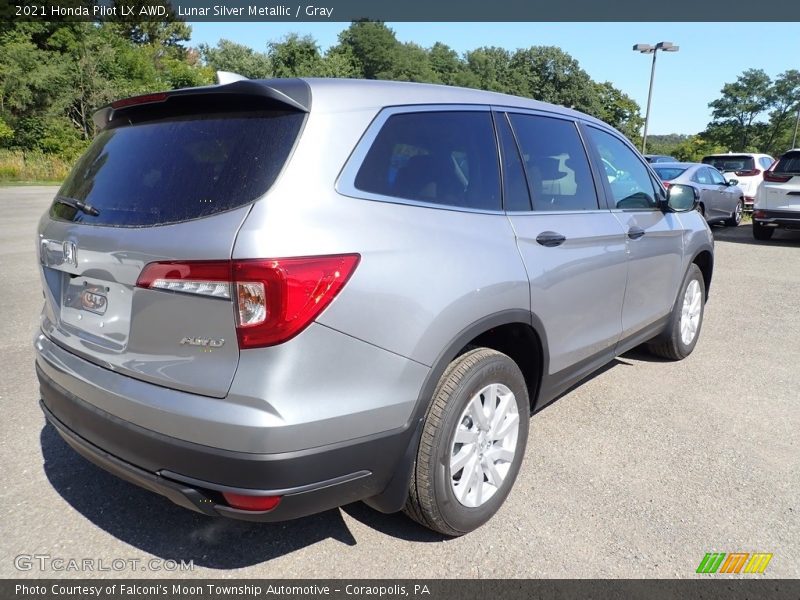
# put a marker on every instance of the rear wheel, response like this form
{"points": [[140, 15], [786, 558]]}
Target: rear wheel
{"points": [[683, 329], [736, 215], [472, 444], [762, 233]]}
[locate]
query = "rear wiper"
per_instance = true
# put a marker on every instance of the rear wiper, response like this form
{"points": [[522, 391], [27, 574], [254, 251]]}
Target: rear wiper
{"points": [[79, 205]]}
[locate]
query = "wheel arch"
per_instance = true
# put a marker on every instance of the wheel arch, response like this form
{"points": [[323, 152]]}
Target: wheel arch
{"points": [[513, 330]]}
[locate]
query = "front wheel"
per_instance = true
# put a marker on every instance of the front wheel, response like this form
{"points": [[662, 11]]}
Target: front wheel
{"points": [[736, 215], [472, 444], [686, 319]]}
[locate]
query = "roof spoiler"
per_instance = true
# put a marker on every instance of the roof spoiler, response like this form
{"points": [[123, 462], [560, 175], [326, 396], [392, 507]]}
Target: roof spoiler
{"points": [[294, 93]]}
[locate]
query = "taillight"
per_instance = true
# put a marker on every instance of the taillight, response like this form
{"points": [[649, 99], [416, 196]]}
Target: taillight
{"points": [[774, 178], [666, 184], [750, 173], [275, 299]]}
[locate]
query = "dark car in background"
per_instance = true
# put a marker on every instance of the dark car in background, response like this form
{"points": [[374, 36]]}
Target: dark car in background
{"points": [[721, 200]]}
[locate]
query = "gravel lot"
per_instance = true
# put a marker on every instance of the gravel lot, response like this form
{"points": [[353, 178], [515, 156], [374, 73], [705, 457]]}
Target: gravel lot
{"points": [[636, 473]]}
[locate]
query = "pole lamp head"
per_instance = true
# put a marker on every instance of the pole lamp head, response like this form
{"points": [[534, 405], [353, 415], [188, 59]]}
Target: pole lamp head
{"points": [[644, 48], [667, 47]]}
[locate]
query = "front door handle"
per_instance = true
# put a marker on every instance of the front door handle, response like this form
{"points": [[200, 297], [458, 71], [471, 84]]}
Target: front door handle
{"points": [[635, 233], [551, 239]]}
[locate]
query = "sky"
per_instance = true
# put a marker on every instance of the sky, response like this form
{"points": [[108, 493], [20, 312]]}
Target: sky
{"points": [[710, 55]]}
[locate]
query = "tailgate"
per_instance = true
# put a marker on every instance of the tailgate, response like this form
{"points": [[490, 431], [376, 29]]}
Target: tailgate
{"points": [[169, 179]]}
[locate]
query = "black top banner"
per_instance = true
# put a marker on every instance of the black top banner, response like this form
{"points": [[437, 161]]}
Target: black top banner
{"points": [[399, 11]]}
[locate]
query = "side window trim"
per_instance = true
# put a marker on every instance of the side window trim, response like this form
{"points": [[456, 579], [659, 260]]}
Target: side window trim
{"points": [[600, 193], [648, 167], [502, 117], [345, 182]]}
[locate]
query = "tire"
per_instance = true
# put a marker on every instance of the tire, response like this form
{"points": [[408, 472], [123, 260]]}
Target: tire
{"points": [[673, 344], [440, 498], [762, 233], [736, 215]]}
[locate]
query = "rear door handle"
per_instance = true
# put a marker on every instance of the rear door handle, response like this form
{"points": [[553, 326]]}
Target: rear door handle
{"points": [[635, 233], [551, 239]]}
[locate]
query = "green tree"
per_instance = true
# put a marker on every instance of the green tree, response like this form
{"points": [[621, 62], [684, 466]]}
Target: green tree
{"points": [[295, 56], [549, 74], [784, 104], [736, 110], [619, 110], [373, 48], [236, 58], [491, 69]]}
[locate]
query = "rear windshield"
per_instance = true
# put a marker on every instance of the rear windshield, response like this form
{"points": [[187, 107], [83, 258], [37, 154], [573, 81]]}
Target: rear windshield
{"points": [[731, 162], [789, 163], [177, 169], [668, 173]]}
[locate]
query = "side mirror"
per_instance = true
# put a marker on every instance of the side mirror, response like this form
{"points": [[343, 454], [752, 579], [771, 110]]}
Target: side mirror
{"points": [[681, 198], [732, 182]]}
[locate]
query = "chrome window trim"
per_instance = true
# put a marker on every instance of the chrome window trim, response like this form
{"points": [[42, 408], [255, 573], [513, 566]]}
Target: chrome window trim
{"points": [[345, 183]]}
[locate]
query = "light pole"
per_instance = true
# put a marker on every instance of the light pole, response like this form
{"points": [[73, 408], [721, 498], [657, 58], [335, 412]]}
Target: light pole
{"points": [[648, 49], [796, 126]]}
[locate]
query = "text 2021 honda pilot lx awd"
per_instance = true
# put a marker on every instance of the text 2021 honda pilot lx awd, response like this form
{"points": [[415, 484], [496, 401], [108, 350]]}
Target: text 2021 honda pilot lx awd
{"points": [[269, 298]]}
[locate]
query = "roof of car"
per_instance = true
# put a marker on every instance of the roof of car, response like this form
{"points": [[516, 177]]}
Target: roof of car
{"points": [[331, 95]]}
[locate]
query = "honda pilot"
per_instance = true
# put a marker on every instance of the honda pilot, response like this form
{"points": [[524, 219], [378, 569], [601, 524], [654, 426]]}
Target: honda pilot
{"points": [[265, 299]]}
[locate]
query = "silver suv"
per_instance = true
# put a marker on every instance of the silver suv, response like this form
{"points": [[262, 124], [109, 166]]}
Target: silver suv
{"points": [[265, 299]]}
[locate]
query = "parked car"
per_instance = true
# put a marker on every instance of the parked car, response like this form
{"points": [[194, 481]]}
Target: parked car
{"points": [[659, 158], [254, 307], [746, 168], [721, 201], [778, 199]]}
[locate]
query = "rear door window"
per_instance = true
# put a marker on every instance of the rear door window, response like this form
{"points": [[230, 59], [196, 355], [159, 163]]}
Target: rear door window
{"points": [[176, 169], [557, 167], [447, 158]]}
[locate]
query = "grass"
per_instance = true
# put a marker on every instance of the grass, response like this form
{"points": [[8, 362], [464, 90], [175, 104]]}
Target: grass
{"points": [[31, 168]]}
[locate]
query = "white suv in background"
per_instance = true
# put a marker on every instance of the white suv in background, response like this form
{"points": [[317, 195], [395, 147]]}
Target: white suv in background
{"points": [[747, 168], [778, 197]]}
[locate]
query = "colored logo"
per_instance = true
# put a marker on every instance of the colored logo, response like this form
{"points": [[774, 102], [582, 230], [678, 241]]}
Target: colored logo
{"points": [[735, 562]]}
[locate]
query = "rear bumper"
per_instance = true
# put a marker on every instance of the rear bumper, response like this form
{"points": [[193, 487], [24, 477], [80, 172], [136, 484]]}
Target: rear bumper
{"points": [[195, 476], [777, 218]]}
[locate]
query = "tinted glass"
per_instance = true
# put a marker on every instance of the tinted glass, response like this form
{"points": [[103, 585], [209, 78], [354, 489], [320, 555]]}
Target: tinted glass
{"points": [[716, 177], [447, 158], [731, 162], [515, 186], [766, 162], [789, 163], [558, 172], [628, 178], [169, 171], [668, 173]]}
